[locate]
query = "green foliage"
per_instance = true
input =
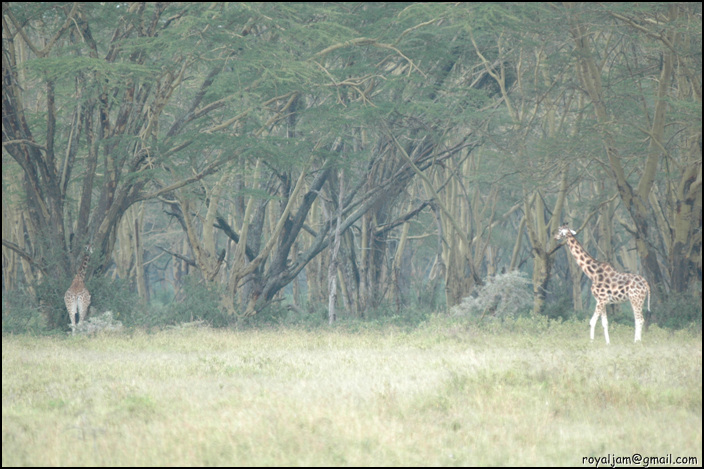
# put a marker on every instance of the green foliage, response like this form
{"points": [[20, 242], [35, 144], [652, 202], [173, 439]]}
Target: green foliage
{"points": [[50, 292], [428, 73], [278, 314], [62, 68], [284, 315], [389, 314], [198, 301], [20, 316], [680, 311], [559, 307], [115, 295]]}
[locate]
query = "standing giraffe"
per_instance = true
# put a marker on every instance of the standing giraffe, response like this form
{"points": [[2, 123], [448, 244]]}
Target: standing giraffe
{"points": [[77, 297], [608, 285]]}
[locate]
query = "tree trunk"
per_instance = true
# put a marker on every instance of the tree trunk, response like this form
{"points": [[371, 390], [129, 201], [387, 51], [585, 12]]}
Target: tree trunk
{"points": [[335, 251]]}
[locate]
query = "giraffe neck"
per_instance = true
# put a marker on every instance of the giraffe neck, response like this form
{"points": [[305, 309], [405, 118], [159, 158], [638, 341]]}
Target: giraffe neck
{"points": [[81, 275], [589, 265]]}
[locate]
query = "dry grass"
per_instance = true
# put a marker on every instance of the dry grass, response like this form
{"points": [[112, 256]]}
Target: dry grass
{"points": [[441, 395]]}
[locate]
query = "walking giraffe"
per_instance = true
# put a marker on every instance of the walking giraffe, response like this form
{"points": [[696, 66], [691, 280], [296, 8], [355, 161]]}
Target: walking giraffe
{"points": [[77, 297], [608, 285]]}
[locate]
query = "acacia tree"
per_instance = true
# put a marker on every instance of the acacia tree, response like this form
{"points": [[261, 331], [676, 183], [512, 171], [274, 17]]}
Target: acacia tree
{"points": [[357, 108], [86, 88], [615, 112], [272, 133], [657, 60], [107, 105]]}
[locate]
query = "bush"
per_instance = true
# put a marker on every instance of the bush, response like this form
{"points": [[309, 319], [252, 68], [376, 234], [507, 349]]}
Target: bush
{"points": [[104, 322], [114, 295], [679, 310], [502, 296], [50, 294], [19, 315], [49, 314], [199, 301], [561, 308]]}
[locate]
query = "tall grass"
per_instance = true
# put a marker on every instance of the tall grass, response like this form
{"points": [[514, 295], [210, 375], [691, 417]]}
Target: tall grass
{"points": [[526, 393]]}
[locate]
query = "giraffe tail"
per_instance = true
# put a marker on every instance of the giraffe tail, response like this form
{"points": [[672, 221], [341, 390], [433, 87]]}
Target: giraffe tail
{"points": [[649, 315]]}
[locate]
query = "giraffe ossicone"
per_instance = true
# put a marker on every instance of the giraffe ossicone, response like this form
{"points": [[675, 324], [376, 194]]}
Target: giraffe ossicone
{"points": [[608, 285]]}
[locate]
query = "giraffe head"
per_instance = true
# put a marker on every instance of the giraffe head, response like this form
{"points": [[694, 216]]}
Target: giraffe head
{"points": [[564, 232]]}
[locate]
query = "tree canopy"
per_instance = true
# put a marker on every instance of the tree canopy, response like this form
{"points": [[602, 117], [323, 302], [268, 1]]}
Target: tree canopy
{"points": [[377, 146]]}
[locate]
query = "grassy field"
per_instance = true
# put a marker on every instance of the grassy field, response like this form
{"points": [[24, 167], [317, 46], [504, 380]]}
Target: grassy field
{"points": [[440, 394]]}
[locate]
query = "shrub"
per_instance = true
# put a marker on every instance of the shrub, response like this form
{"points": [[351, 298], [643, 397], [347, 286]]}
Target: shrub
{"points": [[198, 301], [502, 296], [680, 310], [50, 294], [560, 308], [20, 315], [99, 323], [114, 295]]}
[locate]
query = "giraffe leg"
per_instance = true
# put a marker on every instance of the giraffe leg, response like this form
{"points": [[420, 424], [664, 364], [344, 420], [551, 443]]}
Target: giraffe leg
{"points": [[638, 314], [600, 311], [639, 327], [593, 321], [71, 306], [605, 323], [83, 304], [81, 312]]}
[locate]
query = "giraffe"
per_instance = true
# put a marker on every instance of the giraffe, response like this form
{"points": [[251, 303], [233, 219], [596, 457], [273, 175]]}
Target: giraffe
{"points": [[77, 297], [608, 285]]}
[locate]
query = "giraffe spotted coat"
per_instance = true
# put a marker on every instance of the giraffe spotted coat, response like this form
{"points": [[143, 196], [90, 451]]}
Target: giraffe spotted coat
{"points": [[77, 297], [608, 285]]}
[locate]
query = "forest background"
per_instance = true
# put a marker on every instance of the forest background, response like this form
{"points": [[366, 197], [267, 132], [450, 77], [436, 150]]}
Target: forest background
{"points": [[247, 161]]}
